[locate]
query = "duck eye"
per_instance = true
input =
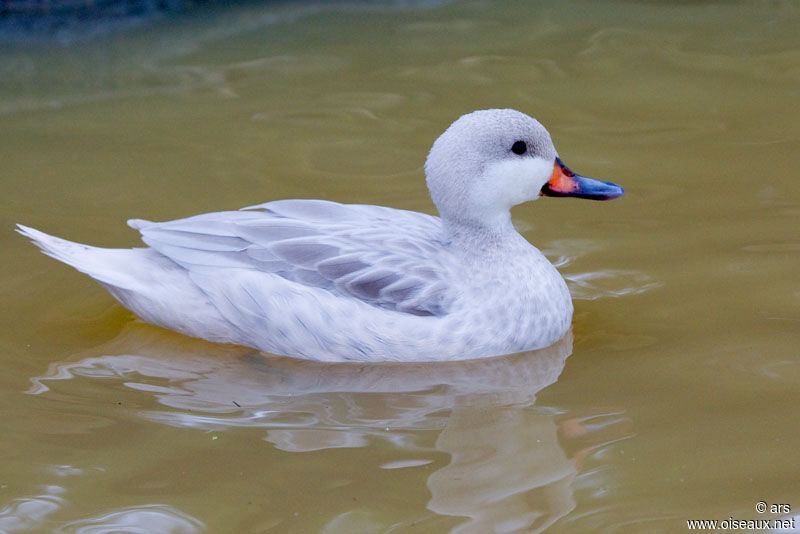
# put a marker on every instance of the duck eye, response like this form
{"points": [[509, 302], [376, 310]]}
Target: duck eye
{"points": [[519, 148]]}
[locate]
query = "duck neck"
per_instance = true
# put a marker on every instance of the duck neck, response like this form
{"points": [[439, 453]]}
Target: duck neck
{"points": [[482, 237]]}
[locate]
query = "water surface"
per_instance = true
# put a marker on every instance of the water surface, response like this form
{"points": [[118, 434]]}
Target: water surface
{"points": [[675, 396]]}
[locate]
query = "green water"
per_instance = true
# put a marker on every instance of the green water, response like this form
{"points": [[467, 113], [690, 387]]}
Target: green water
{"points": [[676, 396]]}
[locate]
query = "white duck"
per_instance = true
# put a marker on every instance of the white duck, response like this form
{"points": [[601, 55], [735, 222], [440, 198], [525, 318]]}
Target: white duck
{"points": [[347, 282]]}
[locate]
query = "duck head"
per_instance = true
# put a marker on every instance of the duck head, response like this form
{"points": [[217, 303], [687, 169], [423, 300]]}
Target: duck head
{"points": [[488, 161]]}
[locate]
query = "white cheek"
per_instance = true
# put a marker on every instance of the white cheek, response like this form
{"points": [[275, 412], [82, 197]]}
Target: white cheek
{"points": [[513, 181]]}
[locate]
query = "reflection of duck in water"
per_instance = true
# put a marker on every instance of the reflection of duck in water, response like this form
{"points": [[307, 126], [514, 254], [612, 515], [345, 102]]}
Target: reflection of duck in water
{"points": [[511, 467], [327, 281], [507, 462]]}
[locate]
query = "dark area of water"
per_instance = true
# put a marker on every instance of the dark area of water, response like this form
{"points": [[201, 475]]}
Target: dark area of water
{"points": [[40, 8], [67, 21], [70, 20]]}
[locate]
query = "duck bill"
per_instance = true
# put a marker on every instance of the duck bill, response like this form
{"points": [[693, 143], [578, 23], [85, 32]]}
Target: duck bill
{"points": [[565, 183]]}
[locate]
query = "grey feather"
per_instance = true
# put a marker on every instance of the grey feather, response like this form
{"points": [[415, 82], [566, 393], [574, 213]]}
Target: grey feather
{"points": [[339, 248], [304, 253], [335, 268], [369, 285]]}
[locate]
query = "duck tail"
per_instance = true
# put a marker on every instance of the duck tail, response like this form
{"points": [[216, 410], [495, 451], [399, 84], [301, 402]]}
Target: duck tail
{"points": [[102, 264]]}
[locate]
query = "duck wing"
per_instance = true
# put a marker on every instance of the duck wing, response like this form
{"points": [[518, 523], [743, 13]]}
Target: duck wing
{"points": [[386, 257]]}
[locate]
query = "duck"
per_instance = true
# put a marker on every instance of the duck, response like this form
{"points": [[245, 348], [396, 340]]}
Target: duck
{"points": [[332, 282]]}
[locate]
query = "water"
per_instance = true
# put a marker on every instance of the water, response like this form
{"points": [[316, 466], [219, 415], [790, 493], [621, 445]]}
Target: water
{"points": [[675, 397]]}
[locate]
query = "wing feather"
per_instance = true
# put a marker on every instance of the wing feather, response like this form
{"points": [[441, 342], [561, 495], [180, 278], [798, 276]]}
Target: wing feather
{"points": [[211, 242], [369, 285], [340, 266], [268, 230], [379, 255], [307, 252]]}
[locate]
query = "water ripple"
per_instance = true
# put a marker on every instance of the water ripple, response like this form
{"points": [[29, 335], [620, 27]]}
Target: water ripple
{"points": [[144, 519], [609, 283], [616, 49], [27, 514], [594, 285]]}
